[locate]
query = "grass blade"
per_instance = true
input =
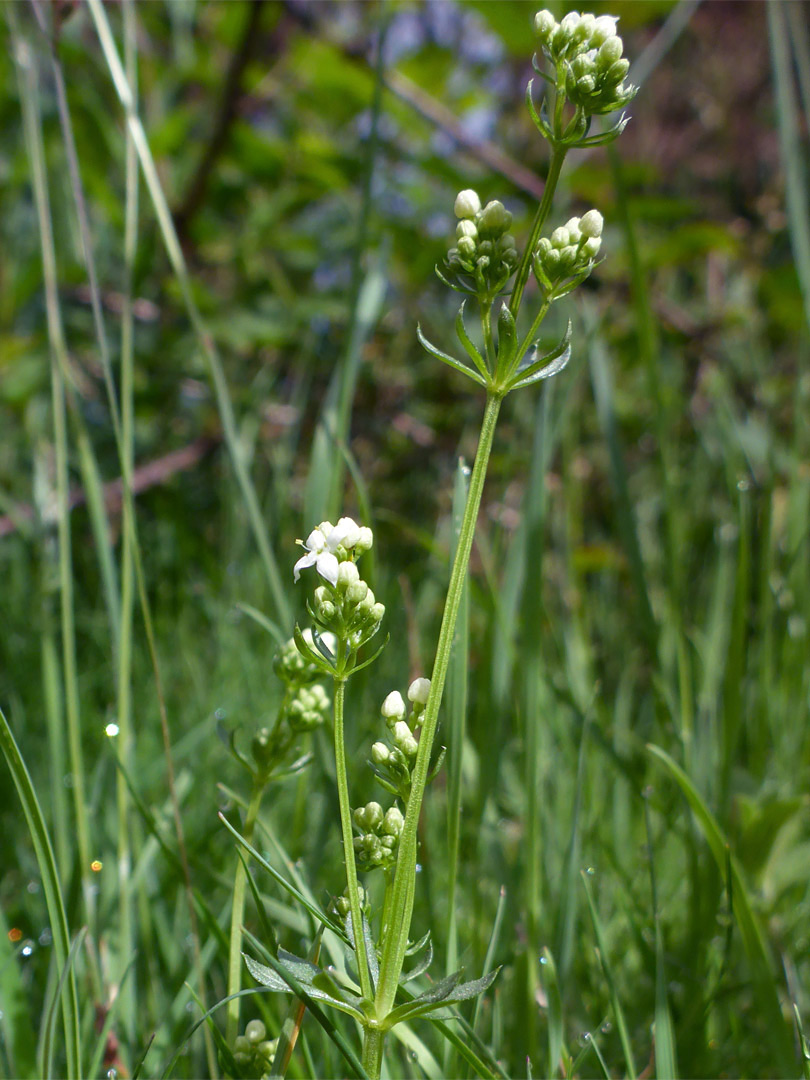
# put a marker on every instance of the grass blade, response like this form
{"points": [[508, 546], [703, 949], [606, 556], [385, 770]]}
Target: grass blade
{"points": [[53, 895]]}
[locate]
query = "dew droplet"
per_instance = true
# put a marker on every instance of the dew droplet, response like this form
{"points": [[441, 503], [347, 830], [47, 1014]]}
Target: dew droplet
{"points": [[46, 937], [543, 959], [418, 868], [219, 714], [27, 948], [743, 484], [111, 730], [96, 865], [32, 887], [590, 871], [112, 1074], [606, 1028]]}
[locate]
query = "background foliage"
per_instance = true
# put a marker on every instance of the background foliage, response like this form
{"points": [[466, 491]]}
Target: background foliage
{"points": [[640, 577]]}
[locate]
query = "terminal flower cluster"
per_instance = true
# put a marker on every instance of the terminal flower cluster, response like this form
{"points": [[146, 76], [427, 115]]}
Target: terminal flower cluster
{"points": [[588, 57], [344, 608], [253, 1052]]}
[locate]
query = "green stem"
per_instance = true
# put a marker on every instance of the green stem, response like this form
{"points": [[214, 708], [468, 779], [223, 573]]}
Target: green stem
{"points": [[522, 276], [237, 915], [373, 1044], [348, 840], [396, 936]]}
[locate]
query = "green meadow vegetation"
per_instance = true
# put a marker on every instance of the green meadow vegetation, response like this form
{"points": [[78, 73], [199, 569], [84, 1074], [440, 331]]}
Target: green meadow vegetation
{"points": [[528, 703]]}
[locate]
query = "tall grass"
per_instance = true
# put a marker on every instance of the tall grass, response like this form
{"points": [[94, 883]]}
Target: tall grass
{"points": [[621, 821]]}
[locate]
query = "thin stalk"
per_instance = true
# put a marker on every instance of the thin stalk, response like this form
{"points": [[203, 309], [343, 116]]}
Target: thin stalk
{"points": [[124, 687], [555, 168], [237, 916], [348, 841], [373, 1046], [256, 514], [396, 938], [29, 98]]}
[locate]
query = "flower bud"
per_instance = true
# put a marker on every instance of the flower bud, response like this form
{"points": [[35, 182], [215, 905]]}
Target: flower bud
{"points": [[420, 688], [591, 247], [585, 86], [393, 708], [572, 227], [495, 218], [404, 739], [466, 247], [346, 533], [357, 592], [255, 1032], [616, 72], [569, 23], [394, 821], [380, 753], [609, 52], [559, 238], [467, 204], [603, 28], [365, 540], [582, 65], [369, 817], [347, 575], [590, 224], [466, 228], [377, 612], [241, 1047], [544, 25]]}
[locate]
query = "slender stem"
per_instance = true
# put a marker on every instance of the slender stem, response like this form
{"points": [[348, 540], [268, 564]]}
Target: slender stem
{"points": [[348, 840], [237, 915], [555, 167], [373, 1044], [396, 936]]}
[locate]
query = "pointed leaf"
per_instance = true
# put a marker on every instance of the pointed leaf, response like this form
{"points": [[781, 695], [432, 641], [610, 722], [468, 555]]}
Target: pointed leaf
{"points": [[540, 120], [413, 950], [420, 968], [269, 978], [468, 344], [452, 285], [371, 659], [546, 366], [446, 359], [507, 340]]}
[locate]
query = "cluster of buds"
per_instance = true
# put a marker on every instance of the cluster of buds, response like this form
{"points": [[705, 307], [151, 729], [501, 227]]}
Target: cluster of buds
{"points": [[566, 258], [253, 1052], [587, 53], [343, 904], [344, 606], [376, 847], [393, 765], [485, 249], [304, 707]]}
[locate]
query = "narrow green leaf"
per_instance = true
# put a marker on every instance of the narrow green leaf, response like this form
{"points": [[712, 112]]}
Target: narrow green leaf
{"points": [[469, 346], [447, 359]]}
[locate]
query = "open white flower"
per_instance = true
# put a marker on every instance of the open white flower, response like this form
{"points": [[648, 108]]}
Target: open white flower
{"points": [[323, 542]]}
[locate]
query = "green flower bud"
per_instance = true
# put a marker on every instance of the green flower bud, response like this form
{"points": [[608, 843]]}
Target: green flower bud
{"points": [[394, 822], [585, 86], [591, 247], [466, 247], [616, 72], [255, 1032], [326, 610], [347, 575], [609, 53], [582, 65], [591, 224], [559, 238], [466, 228], [603, 28], [370, 816], [467, 204], [380, 753], [377, 613], [544, 25], [495, 219], [403, 737], [357, 592], [584, 28], [365, 540], [572, 226], [262, 748], [268, 1048]]}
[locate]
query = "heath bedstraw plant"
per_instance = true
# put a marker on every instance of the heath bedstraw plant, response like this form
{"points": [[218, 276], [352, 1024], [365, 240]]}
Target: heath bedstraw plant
{"points": [[580, 60]]}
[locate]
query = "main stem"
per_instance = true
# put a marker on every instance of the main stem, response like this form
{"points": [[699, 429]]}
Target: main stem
{"points": [[348, 843], [237, 915], [555, 168], [396, 937]]}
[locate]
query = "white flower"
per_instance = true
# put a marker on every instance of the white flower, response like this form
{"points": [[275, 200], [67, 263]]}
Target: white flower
{"points": [[323, 542], [320, 554]]}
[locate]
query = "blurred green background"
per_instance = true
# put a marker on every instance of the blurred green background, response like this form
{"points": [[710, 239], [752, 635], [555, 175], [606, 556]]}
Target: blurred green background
{"points": [[641, 573]]}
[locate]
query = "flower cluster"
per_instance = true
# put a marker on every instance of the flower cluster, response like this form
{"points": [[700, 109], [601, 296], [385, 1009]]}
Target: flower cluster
{"points": [[303, 708], [393, 765], [568, 256], [253, 1052], [485, 249], [344, 607], [587, 54], [329, 545], [376, 847]]}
